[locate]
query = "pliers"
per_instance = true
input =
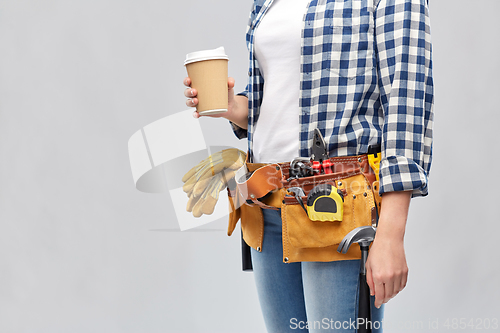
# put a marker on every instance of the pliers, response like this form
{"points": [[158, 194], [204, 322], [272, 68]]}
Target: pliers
{"points": [[321, 160]]}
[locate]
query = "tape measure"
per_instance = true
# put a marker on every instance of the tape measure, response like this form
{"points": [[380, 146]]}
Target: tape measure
{"points": [[325, 202]]}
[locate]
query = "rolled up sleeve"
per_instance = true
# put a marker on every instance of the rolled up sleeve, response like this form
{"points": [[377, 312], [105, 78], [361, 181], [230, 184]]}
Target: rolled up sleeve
{"points": [[404, 55], [240, 133]]}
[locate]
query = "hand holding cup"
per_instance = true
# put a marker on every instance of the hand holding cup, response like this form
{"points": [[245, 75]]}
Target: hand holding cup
{"points": [[192, 95], [207, 72]]}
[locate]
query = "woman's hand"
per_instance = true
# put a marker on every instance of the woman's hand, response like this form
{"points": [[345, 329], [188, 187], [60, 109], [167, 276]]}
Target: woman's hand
{"points": [[237, 110], [386, 268]]}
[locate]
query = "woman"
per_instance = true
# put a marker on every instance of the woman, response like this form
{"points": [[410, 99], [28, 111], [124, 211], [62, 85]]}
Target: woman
{"points": [[361, 72]]}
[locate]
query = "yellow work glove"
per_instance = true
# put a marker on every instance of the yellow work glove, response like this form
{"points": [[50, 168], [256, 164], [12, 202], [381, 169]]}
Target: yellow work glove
{"points": [[204, 181]]}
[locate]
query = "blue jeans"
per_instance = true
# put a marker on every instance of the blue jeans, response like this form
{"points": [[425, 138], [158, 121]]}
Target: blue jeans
{"points": [[305, 296]]}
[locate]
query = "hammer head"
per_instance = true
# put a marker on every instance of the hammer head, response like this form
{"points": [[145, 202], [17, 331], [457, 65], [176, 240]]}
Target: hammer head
{"points": [[361, 235]]}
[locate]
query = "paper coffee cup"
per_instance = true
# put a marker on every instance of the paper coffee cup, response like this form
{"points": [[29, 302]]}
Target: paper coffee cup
{"points": [[208, 72]]}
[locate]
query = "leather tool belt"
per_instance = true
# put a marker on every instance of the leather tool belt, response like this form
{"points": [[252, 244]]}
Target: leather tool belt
{"points": [[265, 186]]}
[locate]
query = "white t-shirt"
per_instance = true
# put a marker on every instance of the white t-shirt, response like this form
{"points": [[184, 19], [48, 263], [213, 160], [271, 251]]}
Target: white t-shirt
{"points": [[277, 50]]}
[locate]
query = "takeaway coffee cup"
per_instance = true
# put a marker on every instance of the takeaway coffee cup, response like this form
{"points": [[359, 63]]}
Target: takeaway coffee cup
{"points": [[208, 72]]}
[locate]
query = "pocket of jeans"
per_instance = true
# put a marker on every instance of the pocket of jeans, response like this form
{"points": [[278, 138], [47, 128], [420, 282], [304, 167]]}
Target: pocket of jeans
{"points": [[352, 52]]}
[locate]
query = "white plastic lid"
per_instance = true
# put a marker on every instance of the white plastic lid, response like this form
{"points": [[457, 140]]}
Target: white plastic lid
{"points": [[217, 53]]}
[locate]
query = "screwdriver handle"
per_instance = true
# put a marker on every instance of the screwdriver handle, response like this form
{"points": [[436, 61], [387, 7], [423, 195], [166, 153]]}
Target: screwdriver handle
{"points": [[327, 167], [316, 167]]}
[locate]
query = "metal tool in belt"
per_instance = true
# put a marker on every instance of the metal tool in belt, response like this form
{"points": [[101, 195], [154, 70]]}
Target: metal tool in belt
{"points": [[324, 202]]}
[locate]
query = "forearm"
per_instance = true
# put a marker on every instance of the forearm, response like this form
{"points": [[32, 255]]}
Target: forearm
{"points": [[239, 111], [393, 215], [386, 268]]}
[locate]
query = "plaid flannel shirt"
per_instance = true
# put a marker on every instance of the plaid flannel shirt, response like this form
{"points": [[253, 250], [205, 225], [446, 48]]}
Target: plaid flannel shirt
{"points": [[366, 79]]}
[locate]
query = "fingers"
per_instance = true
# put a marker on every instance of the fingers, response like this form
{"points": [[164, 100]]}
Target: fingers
{"points": [[386, 269], [369, 280], [404, 280], [384, 288], [192, 102], [190, 93], [390, 291], [379, 288]]}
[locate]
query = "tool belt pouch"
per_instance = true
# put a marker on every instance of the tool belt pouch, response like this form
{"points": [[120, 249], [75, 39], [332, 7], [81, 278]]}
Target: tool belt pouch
{"points": [[358, 210], [240, 198]]}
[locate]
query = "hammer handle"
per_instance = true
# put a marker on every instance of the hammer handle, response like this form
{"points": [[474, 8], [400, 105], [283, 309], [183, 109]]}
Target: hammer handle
{"points": [[246, 256], [364, 305]]}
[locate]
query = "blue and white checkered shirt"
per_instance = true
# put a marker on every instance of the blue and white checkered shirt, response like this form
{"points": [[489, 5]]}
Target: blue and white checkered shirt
{"points": [[366, 79]]}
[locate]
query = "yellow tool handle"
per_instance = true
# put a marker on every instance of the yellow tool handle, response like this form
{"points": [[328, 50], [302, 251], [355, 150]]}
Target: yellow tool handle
{"points": [[374, 161]]}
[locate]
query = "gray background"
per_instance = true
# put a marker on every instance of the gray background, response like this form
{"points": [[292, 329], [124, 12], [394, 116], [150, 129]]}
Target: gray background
{"points": [[82, 251]]}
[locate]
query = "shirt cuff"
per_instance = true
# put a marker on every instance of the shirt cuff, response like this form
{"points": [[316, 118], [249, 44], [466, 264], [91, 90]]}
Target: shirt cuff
{"points": [[240, 133], [243, 93], [398, 173]]}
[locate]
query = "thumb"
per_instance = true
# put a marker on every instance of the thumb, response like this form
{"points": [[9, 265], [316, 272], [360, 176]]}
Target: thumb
{"points": [[230, 83]]}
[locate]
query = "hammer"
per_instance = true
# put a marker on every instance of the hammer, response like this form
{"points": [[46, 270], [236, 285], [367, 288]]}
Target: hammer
{"points": [[363, 236]]}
